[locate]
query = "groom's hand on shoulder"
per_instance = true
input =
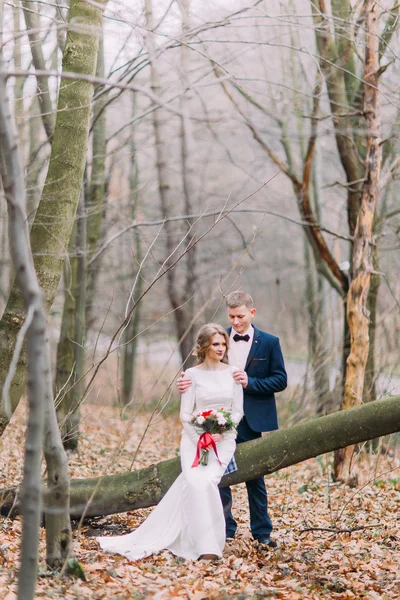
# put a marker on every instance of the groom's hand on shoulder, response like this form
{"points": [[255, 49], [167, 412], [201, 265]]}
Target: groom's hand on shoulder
{"points": [[183, 383], [241, 377]]}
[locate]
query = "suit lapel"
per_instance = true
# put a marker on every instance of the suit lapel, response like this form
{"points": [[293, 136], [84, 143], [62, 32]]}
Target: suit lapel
{"points": [[254, 346]]}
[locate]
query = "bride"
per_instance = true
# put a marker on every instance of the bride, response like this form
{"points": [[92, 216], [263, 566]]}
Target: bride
{"points": [[189, 520]]}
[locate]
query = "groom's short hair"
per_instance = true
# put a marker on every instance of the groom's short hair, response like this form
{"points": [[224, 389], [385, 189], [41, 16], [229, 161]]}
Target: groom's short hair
{"points": [[238, 298]]}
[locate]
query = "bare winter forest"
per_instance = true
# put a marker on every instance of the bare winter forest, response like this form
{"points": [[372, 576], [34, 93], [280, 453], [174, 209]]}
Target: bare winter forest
{"points": [[156, 155]]}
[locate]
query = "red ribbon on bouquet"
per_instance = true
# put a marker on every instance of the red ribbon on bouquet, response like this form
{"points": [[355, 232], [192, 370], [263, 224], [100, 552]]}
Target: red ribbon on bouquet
{"points": [[205, 440]]}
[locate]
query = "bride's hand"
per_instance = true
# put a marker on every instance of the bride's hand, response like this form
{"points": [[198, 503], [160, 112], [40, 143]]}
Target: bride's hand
{"points": [[217, 437]]}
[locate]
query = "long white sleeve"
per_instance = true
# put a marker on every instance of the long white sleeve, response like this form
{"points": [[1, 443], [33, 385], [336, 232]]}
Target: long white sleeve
{"points": [[237, 404], [187, 410]]}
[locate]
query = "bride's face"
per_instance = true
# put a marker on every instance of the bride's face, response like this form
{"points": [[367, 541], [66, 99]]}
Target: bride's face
{"points": [[217, 348]]}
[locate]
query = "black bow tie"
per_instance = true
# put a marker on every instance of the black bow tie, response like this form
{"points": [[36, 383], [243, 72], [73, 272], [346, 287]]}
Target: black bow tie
{"points": [[238, 338]]}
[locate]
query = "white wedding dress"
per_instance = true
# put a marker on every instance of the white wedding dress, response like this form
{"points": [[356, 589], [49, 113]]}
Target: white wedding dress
{"points": [[189, 520]]}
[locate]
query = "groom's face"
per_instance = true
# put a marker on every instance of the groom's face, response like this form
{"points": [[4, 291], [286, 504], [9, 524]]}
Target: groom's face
{"points": [[241, 317]]}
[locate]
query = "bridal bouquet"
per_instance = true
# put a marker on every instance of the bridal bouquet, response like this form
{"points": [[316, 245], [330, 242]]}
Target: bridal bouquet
{"points": [[210, 421]]}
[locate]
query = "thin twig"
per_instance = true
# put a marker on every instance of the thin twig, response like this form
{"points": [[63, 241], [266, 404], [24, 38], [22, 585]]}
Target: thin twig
{"points": [[213, 214], [338, 530]]}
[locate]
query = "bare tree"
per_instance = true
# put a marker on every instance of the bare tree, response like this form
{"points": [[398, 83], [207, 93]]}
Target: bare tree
{"points": [[180, 296], [362, 263], [130, 337], [41, 417], [56, 212]]}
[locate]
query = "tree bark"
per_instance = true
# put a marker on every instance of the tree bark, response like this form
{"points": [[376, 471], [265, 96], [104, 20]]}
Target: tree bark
{"points": [[188, 182], [32, 20], [69, 382], [132, 329], [41, 414], [341, 11], [70, 351], [19, 83], [331, 61], [65, 362], [12, 175], [321, 354], [56, 211], [1, 27], [37, 160], [80, 327], [4, 256], [97, 195], [57, 520], [362, 263], [95, 200], [161, 120], [139, 489], [369, 393]]}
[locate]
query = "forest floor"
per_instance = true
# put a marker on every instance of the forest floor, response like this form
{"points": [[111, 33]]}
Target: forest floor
{"points": [[360, 558]]}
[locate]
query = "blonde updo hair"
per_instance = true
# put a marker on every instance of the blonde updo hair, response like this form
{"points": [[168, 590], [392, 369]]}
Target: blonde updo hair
{"points": [[204, 341]]}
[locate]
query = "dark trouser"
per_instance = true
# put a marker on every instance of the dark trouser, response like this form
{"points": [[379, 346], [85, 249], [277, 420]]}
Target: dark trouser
{"points": [[260, 523]]}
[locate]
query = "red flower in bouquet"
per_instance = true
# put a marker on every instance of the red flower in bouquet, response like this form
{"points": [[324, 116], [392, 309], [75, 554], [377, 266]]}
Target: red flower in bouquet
{"points": [[210, 421]]}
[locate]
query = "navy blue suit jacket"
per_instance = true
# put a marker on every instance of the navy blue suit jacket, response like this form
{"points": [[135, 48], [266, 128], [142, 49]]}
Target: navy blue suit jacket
{"points": [[266, 372]]}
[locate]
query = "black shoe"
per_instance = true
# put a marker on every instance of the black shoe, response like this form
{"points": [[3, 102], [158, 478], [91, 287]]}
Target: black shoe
{"points": [[266, 541]]}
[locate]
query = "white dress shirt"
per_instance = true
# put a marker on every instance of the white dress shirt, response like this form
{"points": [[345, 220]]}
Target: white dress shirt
{"points": [[239, 351]]}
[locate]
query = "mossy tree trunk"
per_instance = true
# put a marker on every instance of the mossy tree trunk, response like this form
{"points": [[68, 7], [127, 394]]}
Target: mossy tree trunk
{"points": [[280, 449], [71, 347], [55, 215]]}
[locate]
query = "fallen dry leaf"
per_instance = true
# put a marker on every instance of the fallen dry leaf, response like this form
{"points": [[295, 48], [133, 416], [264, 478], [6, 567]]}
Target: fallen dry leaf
{"points": [[309, 565]]}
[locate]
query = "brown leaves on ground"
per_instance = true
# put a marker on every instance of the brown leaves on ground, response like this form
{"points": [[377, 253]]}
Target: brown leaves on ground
{"points": [[334, 542]]}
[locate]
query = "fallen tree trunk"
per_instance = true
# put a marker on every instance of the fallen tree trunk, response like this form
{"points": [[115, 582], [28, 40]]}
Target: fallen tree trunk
{"points": [[128, 491]]}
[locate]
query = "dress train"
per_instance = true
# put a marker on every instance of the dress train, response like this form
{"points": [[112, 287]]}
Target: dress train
{"points": [[189, 519]]}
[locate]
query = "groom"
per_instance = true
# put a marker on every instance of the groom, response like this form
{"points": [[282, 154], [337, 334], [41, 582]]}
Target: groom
{"points": [[261, 373]]}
